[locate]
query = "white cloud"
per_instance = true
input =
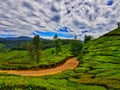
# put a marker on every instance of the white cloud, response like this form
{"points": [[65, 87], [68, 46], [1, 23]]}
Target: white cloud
{"points": [[23, 17]]}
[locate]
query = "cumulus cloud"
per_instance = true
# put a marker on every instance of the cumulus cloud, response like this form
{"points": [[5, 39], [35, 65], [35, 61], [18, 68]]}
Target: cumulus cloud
{"points": [[92, 17]]}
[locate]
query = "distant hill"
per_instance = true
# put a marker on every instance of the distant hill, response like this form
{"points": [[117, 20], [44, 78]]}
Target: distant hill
{"points": [[16, 42], [17, 38], [20, 38]]}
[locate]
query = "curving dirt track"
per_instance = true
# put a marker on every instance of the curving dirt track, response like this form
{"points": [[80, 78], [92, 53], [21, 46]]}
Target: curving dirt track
{"points": [[69, 64]]}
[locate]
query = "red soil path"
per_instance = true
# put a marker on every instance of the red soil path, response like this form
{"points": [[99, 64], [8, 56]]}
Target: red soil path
{"points": [[69, 64]]}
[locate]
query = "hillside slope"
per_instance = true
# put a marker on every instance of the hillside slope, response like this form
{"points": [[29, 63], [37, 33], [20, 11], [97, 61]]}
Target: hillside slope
{"points": [[102, 59], [20, 59], [104, 49]]}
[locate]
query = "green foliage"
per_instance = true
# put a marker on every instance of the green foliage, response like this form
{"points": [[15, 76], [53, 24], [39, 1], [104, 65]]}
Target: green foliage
{"points": [[1, 46], [36, 46], [87, 38], [102, 57], [34, 49], [57, 42], [30, 49], [113, 33], [76, 47], [55, 37], [45, 83], [17, 59]]}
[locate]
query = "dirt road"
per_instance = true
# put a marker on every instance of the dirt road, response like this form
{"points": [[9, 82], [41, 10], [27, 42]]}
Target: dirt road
{"points": [[69, 64]]}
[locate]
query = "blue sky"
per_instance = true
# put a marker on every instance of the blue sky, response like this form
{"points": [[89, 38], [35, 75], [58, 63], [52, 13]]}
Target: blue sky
{"points": [[66, 18], [110, 2], [51, 34], [62, 33], [6, 35]]}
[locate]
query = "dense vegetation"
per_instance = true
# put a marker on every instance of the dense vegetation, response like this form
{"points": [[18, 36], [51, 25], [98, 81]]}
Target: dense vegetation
{"points": [[20, 59], [99, 69], [20, 44], [76, 47], [33, 54], [101, 60], [34, 48]]}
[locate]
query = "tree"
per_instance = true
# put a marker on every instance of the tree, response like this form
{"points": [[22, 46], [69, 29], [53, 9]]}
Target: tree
{"points": [[118, 24], [55, 37], [34, 49], [87, 38], [75, 37], [76, 47], [30, 49], [57, 44], [36, 46]]}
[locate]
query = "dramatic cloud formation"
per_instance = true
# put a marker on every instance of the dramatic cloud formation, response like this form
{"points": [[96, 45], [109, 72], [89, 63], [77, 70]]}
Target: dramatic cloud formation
{"points": [[64, 17]]}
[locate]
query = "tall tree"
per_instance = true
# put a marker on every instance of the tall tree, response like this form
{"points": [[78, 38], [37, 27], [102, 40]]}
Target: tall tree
{"points": [[76, 47], [55, 37], [87, 38], [36, 46], [30, 49], [57, 44], [118, 24], [34, 49]]}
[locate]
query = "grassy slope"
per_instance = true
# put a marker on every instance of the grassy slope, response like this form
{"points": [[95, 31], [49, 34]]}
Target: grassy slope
{"points": [[99, 70], [16, 58], [1, 45], [102, 61]]}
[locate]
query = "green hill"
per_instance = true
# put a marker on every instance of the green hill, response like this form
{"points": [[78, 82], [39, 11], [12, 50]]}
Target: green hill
{"points": [[1, 45], [101, 58], [104, 49], [20, 59]]}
